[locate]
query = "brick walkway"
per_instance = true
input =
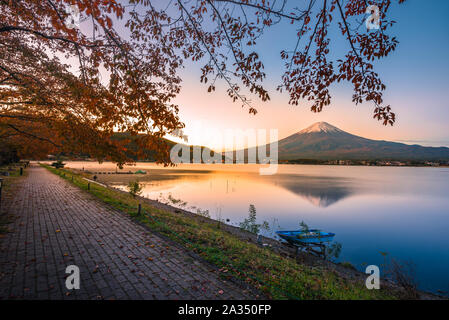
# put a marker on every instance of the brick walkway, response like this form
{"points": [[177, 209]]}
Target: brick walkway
{"points": [[58, 225]]}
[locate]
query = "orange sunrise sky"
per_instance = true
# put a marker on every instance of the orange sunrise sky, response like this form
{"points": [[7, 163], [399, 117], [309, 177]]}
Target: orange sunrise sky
{"points": [[421, 105]]}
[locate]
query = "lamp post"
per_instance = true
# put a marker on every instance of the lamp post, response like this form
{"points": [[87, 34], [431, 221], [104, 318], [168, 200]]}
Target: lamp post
{"points": [[1, 184]]}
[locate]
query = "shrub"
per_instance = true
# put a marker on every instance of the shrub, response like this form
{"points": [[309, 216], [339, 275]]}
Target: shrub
{"points": [[249, 224], [134, 188], [58, 164]]}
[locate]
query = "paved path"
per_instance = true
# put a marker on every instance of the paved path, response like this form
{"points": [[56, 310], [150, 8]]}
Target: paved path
{"points": [[58, 225]]}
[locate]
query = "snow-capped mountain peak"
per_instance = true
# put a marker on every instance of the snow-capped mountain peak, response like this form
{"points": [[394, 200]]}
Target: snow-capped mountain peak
{"points": [[320, 127]]}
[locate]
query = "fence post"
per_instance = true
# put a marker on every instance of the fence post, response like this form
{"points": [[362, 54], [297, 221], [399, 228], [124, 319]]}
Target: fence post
{"points": [[88, 186], [139, 209], [21, 171]]}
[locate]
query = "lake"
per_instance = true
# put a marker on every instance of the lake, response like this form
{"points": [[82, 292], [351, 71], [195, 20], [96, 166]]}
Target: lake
{"points": [[403, 211]]}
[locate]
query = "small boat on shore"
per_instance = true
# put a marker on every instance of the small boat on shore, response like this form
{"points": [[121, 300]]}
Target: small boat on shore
{"points": [[302, 237]]}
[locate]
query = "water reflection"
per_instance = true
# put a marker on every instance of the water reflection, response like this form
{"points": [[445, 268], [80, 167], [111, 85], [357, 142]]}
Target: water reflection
{"points": [[402, 211], [320, 191]]}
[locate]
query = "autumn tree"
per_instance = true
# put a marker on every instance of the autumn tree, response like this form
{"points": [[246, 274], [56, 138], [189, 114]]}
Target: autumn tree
{"points": [[69, 87]]}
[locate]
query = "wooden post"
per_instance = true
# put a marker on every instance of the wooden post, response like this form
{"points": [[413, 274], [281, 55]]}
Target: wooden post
{"points": [[72, 178], [139, 209], [21, 171], [88, 186]]}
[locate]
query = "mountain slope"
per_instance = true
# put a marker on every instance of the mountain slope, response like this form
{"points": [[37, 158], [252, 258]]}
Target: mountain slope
{"points": [[324, 141]]}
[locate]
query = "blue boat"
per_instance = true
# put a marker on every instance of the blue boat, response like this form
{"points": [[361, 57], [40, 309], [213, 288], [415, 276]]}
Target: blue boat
{"points": [[301, 237]]}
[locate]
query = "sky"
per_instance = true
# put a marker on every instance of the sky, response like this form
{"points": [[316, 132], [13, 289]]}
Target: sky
{"points": [[416, 75]]}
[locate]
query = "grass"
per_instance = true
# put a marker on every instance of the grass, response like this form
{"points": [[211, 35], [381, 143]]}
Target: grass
{"points": [[348, 265], [277, 276], [8, 187]]}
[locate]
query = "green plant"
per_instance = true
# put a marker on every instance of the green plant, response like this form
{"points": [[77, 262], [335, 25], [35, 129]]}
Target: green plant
{"points": [[175, 201], [58, 164], [203, 213], [249, 224], [134, 188], [304, 227], [333, 251]]}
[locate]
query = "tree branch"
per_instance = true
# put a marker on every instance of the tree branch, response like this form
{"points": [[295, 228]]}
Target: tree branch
{"points": [[32, 135]]}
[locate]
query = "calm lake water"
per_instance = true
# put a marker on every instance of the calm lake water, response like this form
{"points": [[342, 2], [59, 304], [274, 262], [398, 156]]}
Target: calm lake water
{"points": [[401, 211]]}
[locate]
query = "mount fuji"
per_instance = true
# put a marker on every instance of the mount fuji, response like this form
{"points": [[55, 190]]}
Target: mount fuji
{"points": [[323, 141]]}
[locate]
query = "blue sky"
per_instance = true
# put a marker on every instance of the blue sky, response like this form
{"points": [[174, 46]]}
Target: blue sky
{"points": [[416, 75]]}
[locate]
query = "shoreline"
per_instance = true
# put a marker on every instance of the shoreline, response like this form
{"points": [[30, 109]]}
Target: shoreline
{"points": [[348, 273], [281, 162], [284, 249]]}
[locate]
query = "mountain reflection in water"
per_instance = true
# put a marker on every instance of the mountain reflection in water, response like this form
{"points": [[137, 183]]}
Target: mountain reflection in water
{"points": [[320, 191]]}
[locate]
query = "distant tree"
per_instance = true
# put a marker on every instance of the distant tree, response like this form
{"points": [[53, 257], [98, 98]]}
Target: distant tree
{"points": [[69, 88]]}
